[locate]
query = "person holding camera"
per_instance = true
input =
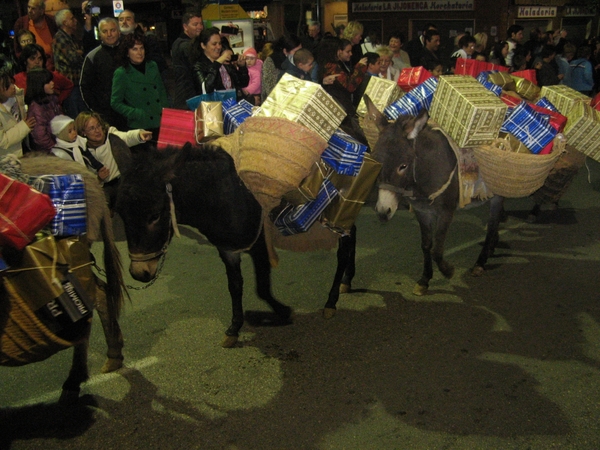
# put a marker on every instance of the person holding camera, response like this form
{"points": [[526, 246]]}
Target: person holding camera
{"points": [[215, 66]]}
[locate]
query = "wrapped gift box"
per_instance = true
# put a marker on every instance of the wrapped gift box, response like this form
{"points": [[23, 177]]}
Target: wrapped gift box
{"points": [[595, 103], [382, 92], [344, 153], [177, 127], [414, 101], [482, 78], [411, 77], [583, 129], [545, 103], [563, 97], [528, 74], [474, 67], [209, 120], [23, 212], [502, 79], [67, 193], [526, 89], [43, 279], [304, 102], [310, 186], [297, 219], [467, 111], [529, 127], [556, 119], [342, 212], [234, 114]]}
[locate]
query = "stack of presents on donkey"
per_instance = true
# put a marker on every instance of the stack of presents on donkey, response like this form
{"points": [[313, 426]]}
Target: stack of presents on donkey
{"points": [[309, 173]]}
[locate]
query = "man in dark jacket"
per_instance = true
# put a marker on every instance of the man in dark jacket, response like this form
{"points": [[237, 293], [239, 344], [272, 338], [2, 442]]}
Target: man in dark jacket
{"points": [[97, 74], [180, 55], [41, 25], [415, 46]]}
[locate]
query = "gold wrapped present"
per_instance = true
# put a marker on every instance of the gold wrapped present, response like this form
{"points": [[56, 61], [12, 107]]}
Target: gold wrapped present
{"points": [[583, 130], [309, 188], [303, 102], [502, 79], [526, 89], [342, 212], [563, 97], [46, 278], [467, 111], [382, 93], [209, 120]]}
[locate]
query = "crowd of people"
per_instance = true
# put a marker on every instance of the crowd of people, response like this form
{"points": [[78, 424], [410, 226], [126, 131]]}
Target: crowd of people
{"points": [[59, 70]]}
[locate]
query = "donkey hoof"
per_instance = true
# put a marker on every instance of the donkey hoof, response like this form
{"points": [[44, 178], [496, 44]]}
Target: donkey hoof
{"points": [[419, 289], [328, 313], [111, 365], [68, 398], [448, 272], [229, 341], [345, 288], [477, 271]]}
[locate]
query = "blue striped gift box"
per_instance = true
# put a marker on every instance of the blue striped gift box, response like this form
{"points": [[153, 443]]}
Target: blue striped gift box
{"points": [[413, 102], [67, 193], [529, 127], [234, 114], [344, 153], [545, 103], [483, 79], [298, 219]]}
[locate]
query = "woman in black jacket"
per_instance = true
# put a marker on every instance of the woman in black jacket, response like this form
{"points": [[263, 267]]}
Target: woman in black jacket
{"points": [[212, 65]]}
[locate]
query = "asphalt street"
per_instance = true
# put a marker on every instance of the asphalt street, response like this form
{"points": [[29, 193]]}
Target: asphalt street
{"points": [[510, 360]]}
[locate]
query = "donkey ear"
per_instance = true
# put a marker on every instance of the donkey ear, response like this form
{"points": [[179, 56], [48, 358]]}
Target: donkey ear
{"points": [[175, 161], [414, 127], [374, 115]]}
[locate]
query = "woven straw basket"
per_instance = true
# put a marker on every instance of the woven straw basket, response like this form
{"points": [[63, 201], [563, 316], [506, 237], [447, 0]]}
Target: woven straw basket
{"points": [[24, 339], [511, 174], [275, 155]]}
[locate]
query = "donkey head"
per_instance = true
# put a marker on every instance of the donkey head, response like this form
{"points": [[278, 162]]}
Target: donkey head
{"points": [[396, 150], [144, 205]]}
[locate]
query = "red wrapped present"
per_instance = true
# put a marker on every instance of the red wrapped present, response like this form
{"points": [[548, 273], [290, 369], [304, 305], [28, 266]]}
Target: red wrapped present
{"points": [[23, 212], [510, 101], [528, 74], [411, 77], [176, 128], [473, 67], [595, 103]]}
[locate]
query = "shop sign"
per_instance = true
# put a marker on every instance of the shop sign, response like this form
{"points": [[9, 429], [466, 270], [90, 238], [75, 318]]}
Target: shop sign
{"points": [[577, 11], [410, 5], [536, 12]]}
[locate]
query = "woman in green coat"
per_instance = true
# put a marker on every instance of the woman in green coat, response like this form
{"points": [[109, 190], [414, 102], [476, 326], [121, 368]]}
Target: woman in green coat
{"points": [[138, 92]]}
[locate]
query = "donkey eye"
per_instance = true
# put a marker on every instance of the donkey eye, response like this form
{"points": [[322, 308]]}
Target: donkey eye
{"points": [[401, 168], [154, 218]]}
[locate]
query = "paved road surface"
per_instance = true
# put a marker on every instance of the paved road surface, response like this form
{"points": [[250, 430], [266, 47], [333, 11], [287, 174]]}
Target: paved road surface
{"points": [[507, 361]]}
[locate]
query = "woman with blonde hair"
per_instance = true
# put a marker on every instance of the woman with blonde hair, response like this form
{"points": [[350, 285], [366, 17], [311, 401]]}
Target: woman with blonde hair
{"points": [[354, 33], [386, 63], [481, 40]]}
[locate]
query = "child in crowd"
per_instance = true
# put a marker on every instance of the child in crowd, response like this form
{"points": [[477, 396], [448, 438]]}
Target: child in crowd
{"points": [[13, 128], [254, 65], [43, 106], [303, 62], [70, 146], [435, 68]]}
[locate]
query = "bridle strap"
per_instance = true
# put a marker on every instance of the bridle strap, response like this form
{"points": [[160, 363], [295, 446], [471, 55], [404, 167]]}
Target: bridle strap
{"points": [[142, 257]]}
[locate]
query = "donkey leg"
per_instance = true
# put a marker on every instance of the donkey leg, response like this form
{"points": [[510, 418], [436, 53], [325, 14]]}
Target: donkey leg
{"points": [[491, 237], [444, 219], [78, 373], [235, 283], [262, 272], [112, 331], [343, 273], [426, 223]]}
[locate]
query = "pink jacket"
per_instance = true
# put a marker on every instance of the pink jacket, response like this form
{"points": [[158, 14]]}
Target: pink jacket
{"points": [[42, 138], [254, 86]]}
